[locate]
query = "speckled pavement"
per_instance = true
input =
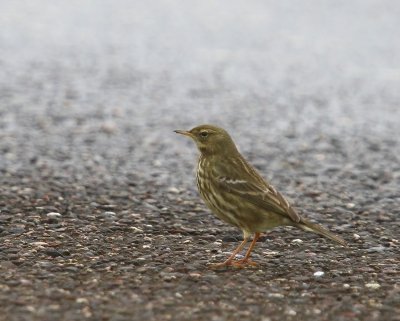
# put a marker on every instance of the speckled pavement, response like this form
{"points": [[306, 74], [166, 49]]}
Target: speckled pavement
{"points": [[99, 214]]}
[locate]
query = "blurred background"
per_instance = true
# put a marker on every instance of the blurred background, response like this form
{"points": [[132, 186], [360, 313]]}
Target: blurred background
{"points": [[97, 87]]}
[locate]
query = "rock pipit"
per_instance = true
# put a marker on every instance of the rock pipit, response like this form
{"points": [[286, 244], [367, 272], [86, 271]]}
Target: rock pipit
{"points": [[237, 194]]}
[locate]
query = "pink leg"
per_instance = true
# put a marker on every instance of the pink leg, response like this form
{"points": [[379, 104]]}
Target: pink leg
{"points": [[246, 259], [230, 261]]}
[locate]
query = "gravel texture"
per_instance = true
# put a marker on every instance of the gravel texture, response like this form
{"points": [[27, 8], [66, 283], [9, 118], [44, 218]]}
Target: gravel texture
{"points": [[99, 214]]}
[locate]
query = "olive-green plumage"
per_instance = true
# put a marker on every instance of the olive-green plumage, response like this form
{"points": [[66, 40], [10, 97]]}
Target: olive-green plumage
{"points": [[237, 194]]}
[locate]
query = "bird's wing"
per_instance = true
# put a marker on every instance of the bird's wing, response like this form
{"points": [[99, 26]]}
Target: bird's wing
{"points": [[262, 195]]}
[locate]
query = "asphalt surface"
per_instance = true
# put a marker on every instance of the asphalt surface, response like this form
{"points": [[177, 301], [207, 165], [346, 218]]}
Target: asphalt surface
{"points": [[99, 214]]}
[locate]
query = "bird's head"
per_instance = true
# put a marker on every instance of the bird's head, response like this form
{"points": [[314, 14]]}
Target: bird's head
{"points": [[210, 139]]}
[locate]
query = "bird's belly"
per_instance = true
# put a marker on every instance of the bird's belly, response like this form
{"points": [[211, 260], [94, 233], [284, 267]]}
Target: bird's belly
{"points": [[241, 213], [258, 220], [221, 207]]}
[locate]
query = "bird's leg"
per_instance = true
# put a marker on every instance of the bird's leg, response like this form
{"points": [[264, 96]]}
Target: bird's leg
{"points": [[246, 259], [230, 260]]}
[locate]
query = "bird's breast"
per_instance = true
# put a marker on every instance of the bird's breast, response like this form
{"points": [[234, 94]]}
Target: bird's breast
{"points": [[220, 203]]}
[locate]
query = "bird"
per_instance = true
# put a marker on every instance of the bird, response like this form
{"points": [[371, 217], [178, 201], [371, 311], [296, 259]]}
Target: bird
{"points": [[238, 195]]}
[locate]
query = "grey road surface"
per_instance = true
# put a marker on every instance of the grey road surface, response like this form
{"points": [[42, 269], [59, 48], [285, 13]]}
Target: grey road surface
{"points": [[99, 214]]}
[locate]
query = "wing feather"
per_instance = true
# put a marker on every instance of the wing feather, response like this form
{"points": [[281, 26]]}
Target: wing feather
{"points": [[264, 196]]}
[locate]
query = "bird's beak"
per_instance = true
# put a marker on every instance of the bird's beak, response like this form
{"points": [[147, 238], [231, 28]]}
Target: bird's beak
{"points": [[184, 132]]}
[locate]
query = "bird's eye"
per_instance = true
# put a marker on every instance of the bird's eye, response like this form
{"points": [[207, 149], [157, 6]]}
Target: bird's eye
{"points": [[204, 134]]}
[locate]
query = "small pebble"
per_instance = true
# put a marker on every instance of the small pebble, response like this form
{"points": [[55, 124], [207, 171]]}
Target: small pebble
{"points": [[168, 277], [195, 275], [319, 274], [30, 308], [82, 300], [356, 236], [25, 282], [173, 190], [270, 253], [40, 244], [108, 127], [290, 312], [52, 253], [350, 205], [379, 248], [53, 215], [276, 295], [297, 241], [373, 286], [136, 230]]}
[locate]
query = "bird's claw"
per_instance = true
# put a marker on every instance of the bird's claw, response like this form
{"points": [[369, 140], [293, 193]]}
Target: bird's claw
{"points": [[247, 262]]}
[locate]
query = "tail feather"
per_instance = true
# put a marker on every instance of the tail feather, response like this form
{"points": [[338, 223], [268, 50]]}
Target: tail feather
{"points": [[306, 225]]}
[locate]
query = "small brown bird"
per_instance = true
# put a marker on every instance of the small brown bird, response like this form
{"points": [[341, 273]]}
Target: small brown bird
{"points": [[238, 195]]}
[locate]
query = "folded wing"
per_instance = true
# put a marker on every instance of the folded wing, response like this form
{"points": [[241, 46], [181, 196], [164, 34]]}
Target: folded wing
{"points": [[262, 195]]}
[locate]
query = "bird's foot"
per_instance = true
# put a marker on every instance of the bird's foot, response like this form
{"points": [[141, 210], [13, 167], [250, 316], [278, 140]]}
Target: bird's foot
{"points": [[247, 262], [239, 264]]}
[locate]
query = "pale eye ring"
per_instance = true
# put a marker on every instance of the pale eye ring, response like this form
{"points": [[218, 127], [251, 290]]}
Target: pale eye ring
{"points": [[204, 134]]}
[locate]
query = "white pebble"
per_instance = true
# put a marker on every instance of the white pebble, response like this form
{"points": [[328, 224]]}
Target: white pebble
{"points": [[350, 205], [373, 286], [25, 282], [356, 236], [30, 308], [271, 253], [276, 295], [39, 244], [195, 275], [290, 312], [346, 285], [297, 241], [136, 230], [173, 190], [319, 274], [53, 215], [108, 127]]}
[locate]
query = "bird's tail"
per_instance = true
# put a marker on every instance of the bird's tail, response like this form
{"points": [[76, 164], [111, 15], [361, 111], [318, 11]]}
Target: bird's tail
{"points": [[306, 225]]}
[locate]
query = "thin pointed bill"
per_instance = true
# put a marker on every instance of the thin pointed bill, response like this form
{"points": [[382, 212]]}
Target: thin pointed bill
{"points": [[184, 132]]}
